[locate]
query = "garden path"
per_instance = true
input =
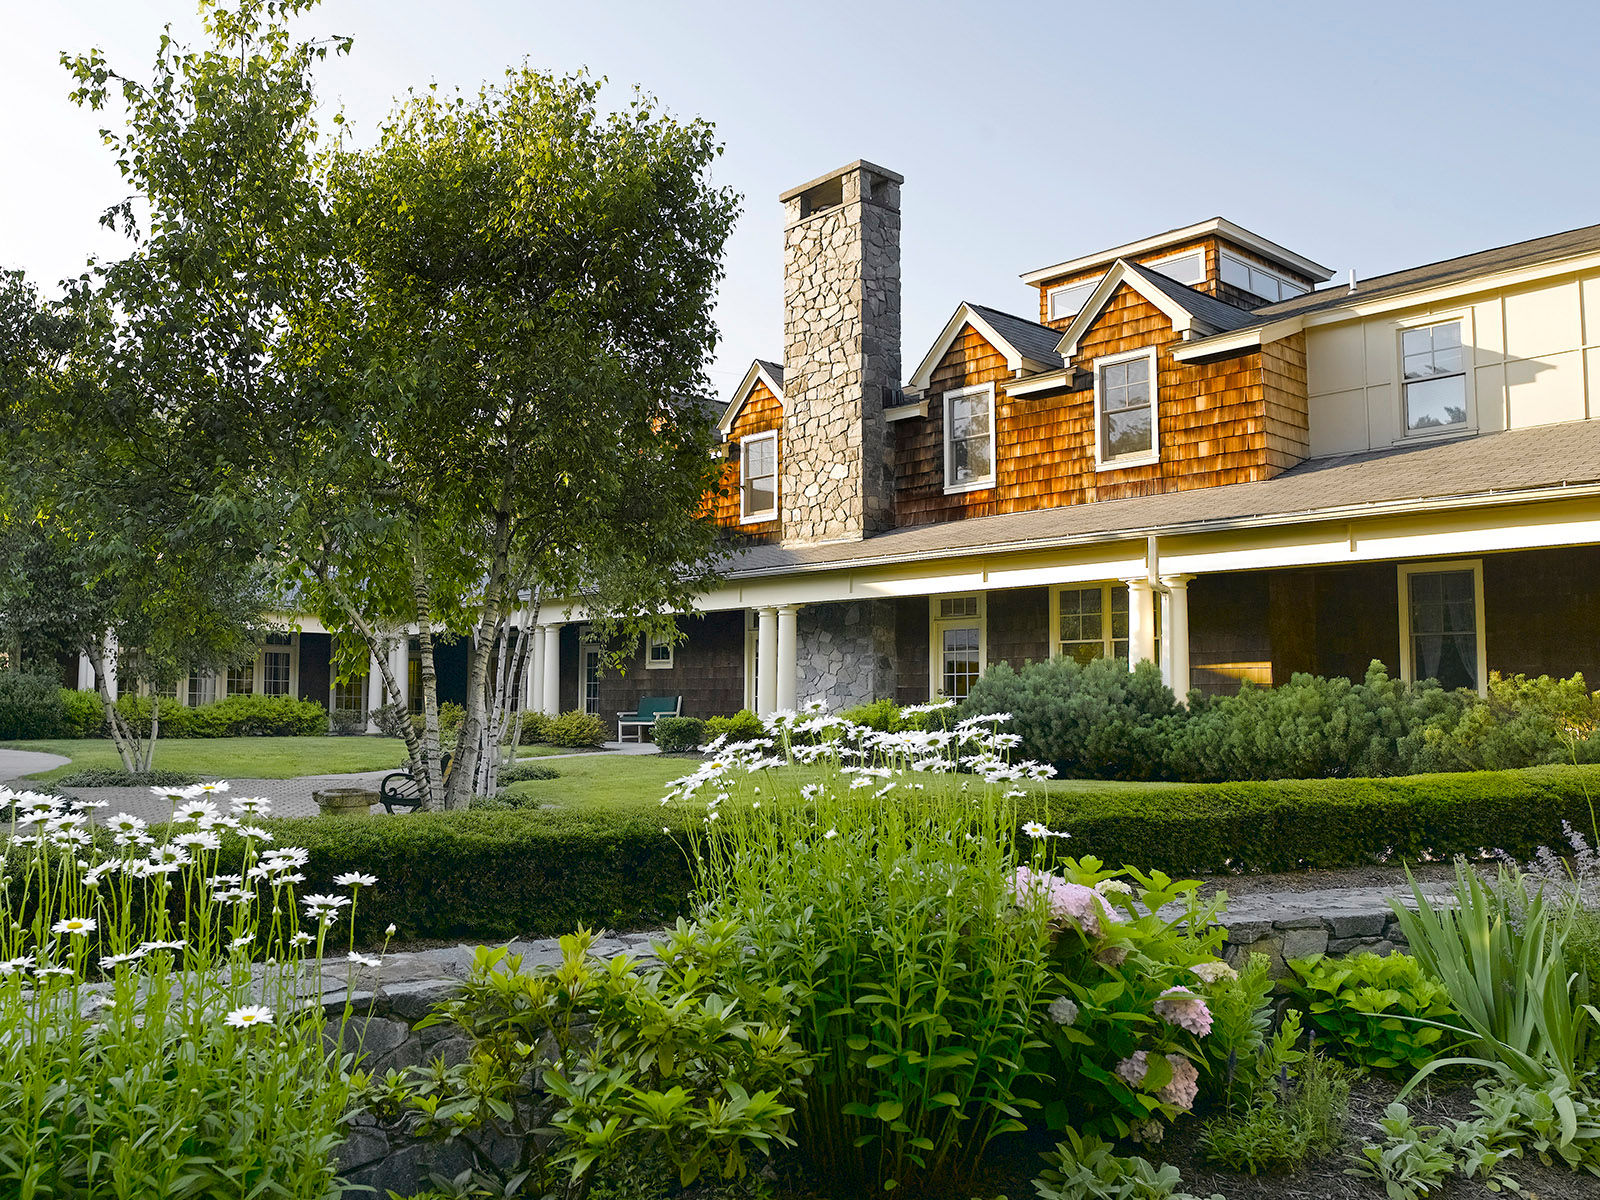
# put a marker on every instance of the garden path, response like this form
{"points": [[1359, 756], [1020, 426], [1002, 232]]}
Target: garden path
{"points": [[16, 763]]}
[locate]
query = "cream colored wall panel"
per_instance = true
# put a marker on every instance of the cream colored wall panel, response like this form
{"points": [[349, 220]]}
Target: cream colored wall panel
{"points": [[1592, 379], [1591, 309], [1488, 332], [1339, 423], [1336, 358], [1383, 415], [1540, 391], [1489, 395], [1383, 350], [1543, 321]]}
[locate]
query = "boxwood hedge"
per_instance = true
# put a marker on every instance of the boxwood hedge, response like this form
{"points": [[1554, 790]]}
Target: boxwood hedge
{"points": [[492, 875]]}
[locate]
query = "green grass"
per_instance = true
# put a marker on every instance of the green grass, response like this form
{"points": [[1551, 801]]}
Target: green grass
{"points": [[234, 758]]}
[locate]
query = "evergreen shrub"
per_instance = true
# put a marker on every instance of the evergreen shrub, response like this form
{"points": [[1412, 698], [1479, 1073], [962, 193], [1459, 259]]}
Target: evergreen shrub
{"points": [[674, 735], [31, 706], [576, 729]]}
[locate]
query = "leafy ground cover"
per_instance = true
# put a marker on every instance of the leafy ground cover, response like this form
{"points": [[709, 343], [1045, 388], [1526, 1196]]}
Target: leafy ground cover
{"points": [[236, 758]]}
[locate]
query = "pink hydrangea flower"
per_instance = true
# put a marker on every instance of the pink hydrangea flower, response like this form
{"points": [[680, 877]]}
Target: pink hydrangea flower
{"points": [[1184, 1084], [1133, 1070], [1181, 1007], [1067, 901]]}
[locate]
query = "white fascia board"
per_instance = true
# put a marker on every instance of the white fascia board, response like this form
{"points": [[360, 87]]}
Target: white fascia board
{"points": [[742, 394], [906, 412], [1183, 321], [1242, 339], [1220, 226], [1048, 381]]}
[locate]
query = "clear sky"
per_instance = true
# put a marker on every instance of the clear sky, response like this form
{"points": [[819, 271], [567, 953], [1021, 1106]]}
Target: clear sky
{"points": [[1367, 135]]}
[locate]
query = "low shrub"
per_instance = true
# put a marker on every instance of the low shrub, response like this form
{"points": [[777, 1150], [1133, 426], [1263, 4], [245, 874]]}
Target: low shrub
{"points": [[347, 722], [85, 714], [674, 735], [526, 771], [451, 716], [31, 706], [1379, 1012], [392, 719], [94, 777], [576, 729], [491, 875], [1299, 1117], [535, 728], [1289, 824], [743, 726], [1099, 721], [881, 715], [236, 716]]}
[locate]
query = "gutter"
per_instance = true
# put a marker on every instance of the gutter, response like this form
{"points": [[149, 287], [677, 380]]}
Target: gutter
{"points": [[1371, 509]]}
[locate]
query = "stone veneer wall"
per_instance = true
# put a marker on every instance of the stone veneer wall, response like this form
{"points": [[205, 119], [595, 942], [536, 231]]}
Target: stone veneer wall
{"points": [[841, 357], [845, 653]]}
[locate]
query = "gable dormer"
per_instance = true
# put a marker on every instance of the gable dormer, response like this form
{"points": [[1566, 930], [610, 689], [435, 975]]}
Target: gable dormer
{"points": [[1215, 257], [752, 432]]}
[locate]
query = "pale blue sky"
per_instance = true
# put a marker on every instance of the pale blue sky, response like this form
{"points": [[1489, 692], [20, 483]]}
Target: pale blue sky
{"points": [[1365, 135]]}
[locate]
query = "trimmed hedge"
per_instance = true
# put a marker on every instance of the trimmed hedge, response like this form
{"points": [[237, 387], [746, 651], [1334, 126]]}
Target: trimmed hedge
{"points": [[495, 875], [674, 735], [1290, 824], [31, 706]]}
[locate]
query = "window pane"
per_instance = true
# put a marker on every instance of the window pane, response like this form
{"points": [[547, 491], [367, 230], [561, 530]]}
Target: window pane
{"points": [[1447, 336], [1065, 302], [961, 665], [1444, 637], [1188, 268], [275, 673], [1138, 370], [1127, 433], [1446, 360], [1234, 271], [958, 606], [1436, 403], [969, 460], [1263, 284]]}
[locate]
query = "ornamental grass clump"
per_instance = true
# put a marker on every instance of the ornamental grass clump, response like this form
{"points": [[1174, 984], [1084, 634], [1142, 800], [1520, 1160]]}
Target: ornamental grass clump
{"points": [[884, 902], [145, 1050]]}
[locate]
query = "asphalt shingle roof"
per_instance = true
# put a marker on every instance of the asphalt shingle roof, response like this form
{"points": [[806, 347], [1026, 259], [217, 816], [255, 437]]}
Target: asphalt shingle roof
{"points": [[1488, 464], [1219, 314], [773, 369], [1031, 339], [1552, 248]]}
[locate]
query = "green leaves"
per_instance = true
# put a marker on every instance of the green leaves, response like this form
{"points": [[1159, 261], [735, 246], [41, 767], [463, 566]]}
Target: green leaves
{"points": [[1376, 1011]]}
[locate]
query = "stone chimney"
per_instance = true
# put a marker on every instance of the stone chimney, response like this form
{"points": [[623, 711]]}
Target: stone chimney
{"points": [[841, 353]]}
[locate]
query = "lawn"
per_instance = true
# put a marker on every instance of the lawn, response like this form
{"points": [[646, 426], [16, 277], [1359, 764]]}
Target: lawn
{"points": [[234, 758]]}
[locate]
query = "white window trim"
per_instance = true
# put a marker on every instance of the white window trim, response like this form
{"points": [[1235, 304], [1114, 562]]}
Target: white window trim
{"points": [[974, 485], [1469, 374], [586, 643], [650, 662], [1155, 264], [1133, 460], [751, 641], [1050, 297], [1107, 587], [765, 514], [1263, 269], [936, 627], [1403, 580]]}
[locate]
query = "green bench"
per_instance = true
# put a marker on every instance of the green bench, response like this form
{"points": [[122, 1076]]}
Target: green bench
{"points": [[651, 710]]}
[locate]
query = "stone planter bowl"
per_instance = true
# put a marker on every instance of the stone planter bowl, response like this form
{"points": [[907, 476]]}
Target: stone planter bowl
{"points": [[345, 802]]}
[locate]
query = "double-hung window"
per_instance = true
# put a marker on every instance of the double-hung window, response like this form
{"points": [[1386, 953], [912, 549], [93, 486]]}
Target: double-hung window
{"points": [[659, 655], [275, 664], [758, 477], [958, 644], [1125, 410], [241, 680], [1441, 623], [1091, 621], [969, 438], [1434, 370]]}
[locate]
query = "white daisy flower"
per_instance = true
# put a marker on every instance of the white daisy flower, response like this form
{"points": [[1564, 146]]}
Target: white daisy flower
{"points": [[354, 879], [362, 960], [77, 926], [248, 1016]]}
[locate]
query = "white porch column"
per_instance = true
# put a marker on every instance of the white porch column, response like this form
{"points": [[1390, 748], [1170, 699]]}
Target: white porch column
{"points": [[1141, 622], [788, 657], [375, 697], [85, 673], [533, 672], [1175, 636], [552, 669], [400, 665], [766, 661]]}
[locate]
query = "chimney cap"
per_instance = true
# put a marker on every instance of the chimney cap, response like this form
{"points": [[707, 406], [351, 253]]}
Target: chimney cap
{"points": [[861, 165]]}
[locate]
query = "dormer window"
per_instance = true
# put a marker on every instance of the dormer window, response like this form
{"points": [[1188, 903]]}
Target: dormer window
{"points": [[1257, 280], [1067, 302], [1435, 378], [1188, 267], [1126, 434], [969, 438], [758, 477]]}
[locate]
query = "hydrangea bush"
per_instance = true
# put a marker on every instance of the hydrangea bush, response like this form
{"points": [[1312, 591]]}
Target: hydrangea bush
{"points": [[948, 978], [146, 1047]]}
